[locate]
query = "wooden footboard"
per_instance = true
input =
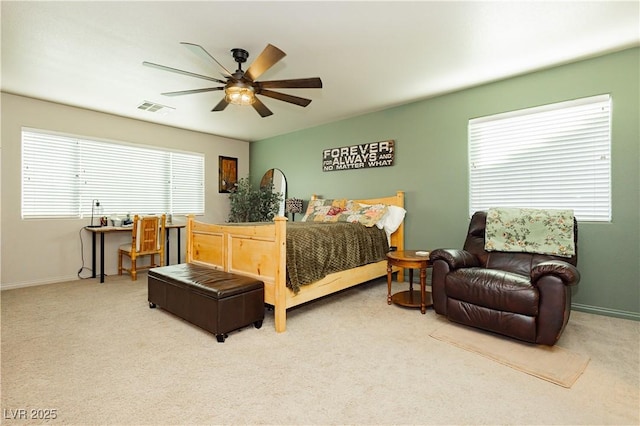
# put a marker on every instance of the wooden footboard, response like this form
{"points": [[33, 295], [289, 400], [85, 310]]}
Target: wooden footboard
{"points": [[259, 250]]}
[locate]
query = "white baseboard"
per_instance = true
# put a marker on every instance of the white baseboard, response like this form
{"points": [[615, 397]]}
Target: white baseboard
{"points": [[616, 313], [52, 280]]}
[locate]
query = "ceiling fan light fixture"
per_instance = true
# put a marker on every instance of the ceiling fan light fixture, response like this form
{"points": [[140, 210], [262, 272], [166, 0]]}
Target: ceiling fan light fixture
{"points": [[241, 87], [239, 94]]}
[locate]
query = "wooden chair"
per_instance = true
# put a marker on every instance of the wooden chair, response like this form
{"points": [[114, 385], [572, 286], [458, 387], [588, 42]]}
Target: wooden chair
{"points": [[147, 239]]}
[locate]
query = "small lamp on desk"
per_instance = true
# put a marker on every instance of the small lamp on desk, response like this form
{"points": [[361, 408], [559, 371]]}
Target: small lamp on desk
{"points": [[95, 208], [293, 206]]}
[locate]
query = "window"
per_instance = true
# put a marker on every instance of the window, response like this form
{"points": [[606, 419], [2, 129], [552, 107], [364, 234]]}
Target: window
{"points": [[62, 175], [555, 156]]}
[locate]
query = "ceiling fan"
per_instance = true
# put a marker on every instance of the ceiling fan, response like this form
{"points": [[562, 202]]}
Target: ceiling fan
{"points": [[241, 86]]}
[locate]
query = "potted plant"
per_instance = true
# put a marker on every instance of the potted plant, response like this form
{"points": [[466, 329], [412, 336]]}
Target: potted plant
{"points": [[249, 204]]}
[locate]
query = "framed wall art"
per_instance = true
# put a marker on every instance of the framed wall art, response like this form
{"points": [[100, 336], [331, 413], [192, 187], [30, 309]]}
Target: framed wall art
{"points": [[227, 173]]}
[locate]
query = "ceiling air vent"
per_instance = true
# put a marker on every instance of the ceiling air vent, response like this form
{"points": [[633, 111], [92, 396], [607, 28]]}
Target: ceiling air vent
{"points": [[155, 108]]}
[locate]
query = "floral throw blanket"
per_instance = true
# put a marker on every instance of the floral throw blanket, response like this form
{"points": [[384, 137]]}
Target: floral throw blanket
{"points": [[540, 231]]}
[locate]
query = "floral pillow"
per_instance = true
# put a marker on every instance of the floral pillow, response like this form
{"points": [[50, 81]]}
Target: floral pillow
{"points": [[341, 210], [324, 210], [367, 215]]}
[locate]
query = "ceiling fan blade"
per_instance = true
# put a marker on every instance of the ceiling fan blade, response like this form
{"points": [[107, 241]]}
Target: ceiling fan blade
{"points": [[261, 108], [201, 52], [287, 98], [268, 58], [190, 74], [298, 83], [190, 92], [221, 105]]}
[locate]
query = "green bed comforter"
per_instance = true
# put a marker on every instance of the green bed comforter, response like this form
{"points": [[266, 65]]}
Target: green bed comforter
{"points": [[315, 250]]}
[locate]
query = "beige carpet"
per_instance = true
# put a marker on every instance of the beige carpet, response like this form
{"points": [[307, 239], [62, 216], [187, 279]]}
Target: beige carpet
{"points": [[554, 364], [98, 355]]}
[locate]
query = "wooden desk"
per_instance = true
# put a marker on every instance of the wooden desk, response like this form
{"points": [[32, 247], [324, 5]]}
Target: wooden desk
{"points": [[109, 229], [409, 259]]}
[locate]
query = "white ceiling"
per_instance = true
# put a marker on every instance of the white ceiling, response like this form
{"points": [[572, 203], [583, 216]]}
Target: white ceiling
{"points": [[370, 55]]}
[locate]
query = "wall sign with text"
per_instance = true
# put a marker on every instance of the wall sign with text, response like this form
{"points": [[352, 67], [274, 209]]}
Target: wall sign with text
{"points": [[372, 154]]}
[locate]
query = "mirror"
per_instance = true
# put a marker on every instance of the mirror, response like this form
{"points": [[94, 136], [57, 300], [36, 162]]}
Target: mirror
{"points": [[276, 177]]}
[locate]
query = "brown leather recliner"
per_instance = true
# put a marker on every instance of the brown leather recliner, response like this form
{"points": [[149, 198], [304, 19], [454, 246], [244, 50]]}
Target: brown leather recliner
{"points": [[522, 295]]}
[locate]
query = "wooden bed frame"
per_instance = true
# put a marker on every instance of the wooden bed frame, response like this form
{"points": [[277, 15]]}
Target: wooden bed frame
{"points": [[259, 250]]}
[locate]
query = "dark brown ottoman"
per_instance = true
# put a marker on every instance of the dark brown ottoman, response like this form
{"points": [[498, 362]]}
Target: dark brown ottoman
{"points": [[216, 301]]}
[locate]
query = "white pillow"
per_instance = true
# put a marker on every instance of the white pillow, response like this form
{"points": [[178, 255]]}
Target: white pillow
{"points": [[392, 219]]}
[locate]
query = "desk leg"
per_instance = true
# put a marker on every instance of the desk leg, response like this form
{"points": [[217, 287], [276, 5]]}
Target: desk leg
{"points": [[423, 290], [179, 257], [166, 245], [93, 255], [101, 257]]}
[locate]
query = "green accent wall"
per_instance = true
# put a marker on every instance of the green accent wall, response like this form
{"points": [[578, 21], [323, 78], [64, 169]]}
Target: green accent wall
{"points": [[431, 166]]}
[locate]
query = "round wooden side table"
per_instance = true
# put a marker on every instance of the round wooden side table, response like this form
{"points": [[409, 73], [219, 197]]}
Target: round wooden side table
{"points": [[411, 260]]}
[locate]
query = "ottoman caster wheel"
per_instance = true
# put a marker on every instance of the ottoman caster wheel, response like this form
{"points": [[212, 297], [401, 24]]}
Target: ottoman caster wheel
{"points": [[258, 324], [152, 305], [221, 337]]}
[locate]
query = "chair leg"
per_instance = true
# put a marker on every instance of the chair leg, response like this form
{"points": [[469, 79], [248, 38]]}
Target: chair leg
{"points": [[132, 271], [119, 262]]}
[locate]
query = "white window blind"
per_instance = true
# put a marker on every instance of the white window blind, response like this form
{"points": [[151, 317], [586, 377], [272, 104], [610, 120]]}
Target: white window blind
{"points": [[557, 156], [62, 175]]}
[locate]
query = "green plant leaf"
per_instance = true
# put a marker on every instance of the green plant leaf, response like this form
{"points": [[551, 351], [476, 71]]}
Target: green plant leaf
{"points": [[250, 204]]}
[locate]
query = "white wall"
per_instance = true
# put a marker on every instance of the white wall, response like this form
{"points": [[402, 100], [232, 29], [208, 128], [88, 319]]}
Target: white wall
{"points": [[46, 251]]}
